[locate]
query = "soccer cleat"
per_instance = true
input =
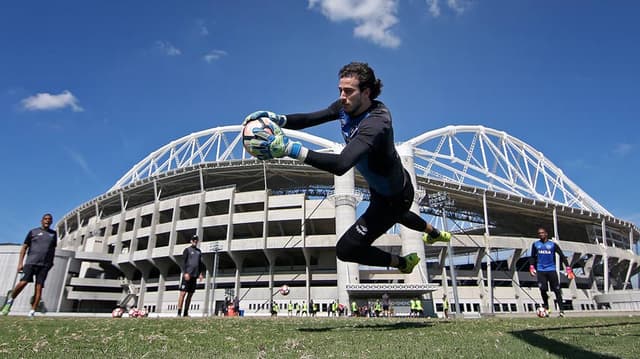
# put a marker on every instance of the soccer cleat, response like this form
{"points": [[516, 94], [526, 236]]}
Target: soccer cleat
{"points": [[6, 309], [32, 313], [443, 237], [411, 261], [561, 314]]}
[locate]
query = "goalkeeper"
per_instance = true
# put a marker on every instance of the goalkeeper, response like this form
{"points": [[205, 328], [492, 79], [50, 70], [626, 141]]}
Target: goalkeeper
{"points": [[370, 147], [542, 265]]}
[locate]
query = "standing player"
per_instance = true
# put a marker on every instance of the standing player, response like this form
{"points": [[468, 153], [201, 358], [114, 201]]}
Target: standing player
{"points": [[41, 243], [193, 268], [445, 306], [290, 309], [385, 305], [370, 147], [542, 265]]}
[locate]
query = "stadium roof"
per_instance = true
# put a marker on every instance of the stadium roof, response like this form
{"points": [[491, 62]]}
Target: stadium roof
{"points": [[461, 156]]}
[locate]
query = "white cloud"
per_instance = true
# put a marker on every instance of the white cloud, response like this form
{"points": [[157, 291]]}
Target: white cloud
{"points": [[47, 101], [434, 7], [214, 55], [202, 28], [457, 6], [374, 18], [622, 149], [167, 48]]}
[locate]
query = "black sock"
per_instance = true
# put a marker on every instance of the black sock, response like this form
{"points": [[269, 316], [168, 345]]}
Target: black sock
{"points": [[186, 314], [435, 233], [179, 312]]}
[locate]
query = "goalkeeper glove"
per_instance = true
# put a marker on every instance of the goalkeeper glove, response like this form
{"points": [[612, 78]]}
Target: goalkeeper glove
{"points": [[259, 144], [282, 146], [569, 272], [279, 120], [532, 270], [260, 149]]}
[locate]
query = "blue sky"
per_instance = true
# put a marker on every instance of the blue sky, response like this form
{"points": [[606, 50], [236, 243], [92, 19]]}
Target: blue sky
{"points": [[88, 89]]}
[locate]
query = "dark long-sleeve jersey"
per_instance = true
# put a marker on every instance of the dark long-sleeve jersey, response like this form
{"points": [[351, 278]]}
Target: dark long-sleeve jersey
{"points": [[370, 146], [543, 256], [193, 261]]}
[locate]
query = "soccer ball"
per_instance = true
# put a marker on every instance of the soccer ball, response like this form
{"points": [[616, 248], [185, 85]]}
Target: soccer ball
{"points": [[541, 312], [117, 312], [284, 290], [247, 133], [135, 313]]}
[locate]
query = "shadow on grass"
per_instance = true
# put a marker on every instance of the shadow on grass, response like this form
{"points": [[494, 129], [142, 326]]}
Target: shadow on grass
{"points": [[369, 326], [563, 349]]}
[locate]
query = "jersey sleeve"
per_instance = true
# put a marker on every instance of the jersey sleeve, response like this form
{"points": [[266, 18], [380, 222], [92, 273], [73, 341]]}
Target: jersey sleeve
{"points": [[202, 268], [358, 146], [563, 258], [338, 164], [185, 258], [27, 239], [533, 259], [298, 121]]}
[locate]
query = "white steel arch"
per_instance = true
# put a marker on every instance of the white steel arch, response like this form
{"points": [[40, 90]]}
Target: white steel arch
{"points": [[467, 155], [490, 159], [212, 145]]}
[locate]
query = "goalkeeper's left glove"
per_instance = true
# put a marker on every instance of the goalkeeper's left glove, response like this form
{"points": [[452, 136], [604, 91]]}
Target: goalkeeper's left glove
{"points": [[282, 146], [279, 120], [569, 272]]}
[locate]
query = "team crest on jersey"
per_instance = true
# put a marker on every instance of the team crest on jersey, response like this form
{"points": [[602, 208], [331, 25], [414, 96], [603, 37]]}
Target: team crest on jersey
{"points": [[348, 129], [350, 125]]}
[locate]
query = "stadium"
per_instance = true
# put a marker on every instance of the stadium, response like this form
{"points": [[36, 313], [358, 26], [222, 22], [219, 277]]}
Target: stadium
{"points": [[265, 224]]}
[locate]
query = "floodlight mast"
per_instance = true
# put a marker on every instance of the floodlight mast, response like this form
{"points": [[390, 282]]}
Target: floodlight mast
{"points": [[215, 248]]}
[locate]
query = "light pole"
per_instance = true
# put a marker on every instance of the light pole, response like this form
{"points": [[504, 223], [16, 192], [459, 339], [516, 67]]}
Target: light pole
{"points": [[215, 248], [442, 201]]}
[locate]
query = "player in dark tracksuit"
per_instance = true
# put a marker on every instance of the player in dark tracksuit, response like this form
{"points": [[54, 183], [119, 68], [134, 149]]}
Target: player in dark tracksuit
{"points": [[41, 244], [367, 130], [192, 269], [542, 265]]}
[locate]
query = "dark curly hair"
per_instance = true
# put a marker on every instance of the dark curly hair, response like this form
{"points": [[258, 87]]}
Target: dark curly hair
{"points": [[365, 75]]}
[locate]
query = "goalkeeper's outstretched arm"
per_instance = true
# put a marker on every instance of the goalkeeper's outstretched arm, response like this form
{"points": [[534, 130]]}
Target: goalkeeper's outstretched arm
{"points": [[338, 164], [298, 121]]}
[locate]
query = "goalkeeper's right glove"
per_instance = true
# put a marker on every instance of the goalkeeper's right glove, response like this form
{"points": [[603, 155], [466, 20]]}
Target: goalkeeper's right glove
{"points": [[532, 270], [279, 120], [282, 146]]}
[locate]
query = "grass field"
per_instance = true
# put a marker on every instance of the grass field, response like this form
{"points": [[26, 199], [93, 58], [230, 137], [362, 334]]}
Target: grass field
{"points": [[571, 337]]}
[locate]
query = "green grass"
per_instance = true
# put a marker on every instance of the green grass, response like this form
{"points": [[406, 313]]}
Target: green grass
{"points": [[584, 337]]}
